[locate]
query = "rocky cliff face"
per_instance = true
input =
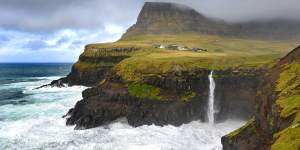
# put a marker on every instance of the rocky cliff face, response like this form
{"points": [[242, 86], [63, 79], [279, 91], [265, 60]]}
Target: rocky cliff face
{"points": [[94, 65], [158, 17], [175, 98], [276, 124]]}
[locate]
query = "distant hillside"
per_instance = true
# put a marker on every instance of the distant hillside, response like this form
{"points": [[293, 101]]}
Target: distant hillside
{"points": [[158, 17]]}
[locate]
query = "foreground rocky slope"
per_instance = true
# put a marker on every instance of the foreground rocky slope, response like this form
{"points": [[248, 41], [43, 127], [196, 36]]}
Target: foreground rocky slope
{"points": [[276, 124]]}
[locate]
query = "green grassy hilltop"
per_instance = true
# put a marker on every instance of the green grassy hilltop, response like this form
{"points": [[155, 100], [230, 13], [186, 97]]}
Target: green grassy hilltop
{"points": [[222, 53]]}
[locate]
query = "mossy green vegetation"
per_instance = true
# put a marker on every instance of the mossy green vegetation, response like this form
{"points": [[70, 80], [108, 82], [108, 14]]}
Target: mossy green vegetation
{"points": [[90, 66], [288, 86], [144, 91], [289, 81], [249, 125], [106, 53], [288, 139], [188, 96], [289, 105]]}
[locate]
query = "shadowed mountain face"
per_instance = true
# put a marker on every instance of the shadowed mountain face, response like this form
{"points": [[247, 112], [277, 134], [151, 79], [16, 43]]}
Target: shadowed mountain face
{"points": [[173, 18], [157, 17]]}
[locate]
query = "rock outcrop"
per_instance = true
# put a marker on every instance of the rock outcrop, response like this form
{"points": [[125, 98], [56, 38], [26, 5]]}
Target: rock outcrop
{"points": [[276, 124], [94, 65]]}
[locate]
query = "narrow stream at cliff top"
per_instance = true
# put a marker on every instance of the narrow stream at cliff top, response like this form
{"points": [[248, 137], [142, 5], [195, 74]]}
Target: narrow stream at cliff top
{"points": [[32, 120]]}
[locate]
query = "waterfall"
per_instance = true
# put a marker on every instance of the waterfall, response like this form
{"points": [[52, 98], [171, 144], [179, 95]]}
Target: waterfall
{"points": [[210, 110]]}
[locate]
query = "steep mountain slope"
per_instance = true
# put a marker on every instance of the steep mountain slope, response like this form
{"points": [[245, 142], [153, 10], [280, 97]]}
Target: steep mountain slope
{"points": [[276, 124]]}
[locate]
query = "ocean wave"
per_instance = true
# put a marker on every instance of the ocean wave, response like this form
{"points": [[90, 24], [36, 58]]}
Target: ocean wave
{"points": [[27, 82], [51, 133], [39, 125]]}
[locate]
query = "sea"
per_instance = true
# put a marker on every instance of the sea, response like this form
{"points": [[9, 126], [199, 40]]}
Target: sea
{"points": [[31, 119]]}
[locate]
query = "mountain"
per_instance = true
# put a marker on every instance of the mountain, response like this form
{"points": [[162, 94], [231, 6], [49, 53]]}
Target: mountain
{"points": [[159, 17]]}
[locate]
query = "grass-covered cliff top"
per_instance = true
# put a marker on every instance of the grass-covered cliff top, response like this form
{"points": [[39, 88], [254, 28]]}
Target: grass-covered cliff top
{"points": [[222, 53]]}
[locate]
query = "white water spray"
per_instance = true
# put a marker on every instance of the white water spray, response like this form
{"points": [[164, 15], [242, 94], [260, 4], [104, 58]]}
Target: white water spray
{"points": [[211, 110], [38, 125]]}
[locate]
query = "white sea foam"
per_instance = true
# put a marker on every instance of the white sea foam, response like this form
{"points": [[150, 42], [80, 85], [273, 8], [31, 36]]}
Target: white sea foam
{"points": [[39, 126]]}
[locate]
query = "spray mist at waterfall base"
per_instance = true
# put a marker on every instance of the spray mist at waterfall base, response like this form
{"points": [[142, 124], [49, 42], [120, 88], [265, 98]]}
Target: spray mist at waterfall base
{"points": [[32, 119]]}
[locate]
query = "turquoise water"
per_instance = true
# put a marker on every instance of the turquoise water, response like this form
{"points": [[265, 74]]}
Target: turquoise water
{"points": [[32, 119]]}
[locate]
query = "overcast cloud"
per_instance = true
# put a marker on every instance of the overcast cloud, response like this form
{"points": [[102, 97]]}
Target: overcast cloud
{"points": [[48, 15], [40, 28], [245, 10]]}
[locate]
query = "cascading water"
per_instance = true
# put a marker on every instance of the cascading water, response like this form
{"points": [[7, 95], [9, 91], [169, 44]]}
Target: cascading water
{"points": [[210, 110]]}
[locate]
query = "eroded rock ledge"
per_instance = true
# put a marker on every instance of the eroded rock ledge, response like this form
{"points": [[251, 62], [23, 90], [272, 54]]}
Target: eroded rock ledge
{"points": [[174, 98], [93, 66]]}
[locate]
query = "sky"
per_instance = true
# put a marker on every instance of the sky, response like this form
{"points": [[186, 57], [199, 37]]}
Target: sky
{"points": [[57, 30]]}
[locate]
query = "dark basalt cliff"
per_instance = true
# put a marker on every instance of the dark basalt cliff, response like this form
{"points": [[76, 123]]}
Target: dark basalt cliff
{"points": [[90, 70], [89, 77], [276, 124], [183, 98]]}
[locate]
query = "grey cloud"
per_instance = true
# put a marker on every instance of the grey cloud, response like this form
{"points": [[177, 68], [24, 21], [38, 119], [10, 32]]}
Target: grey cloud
{"points": [[35, 45], [245, 10], [3, 38], [50, 15], [62, 40]]}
